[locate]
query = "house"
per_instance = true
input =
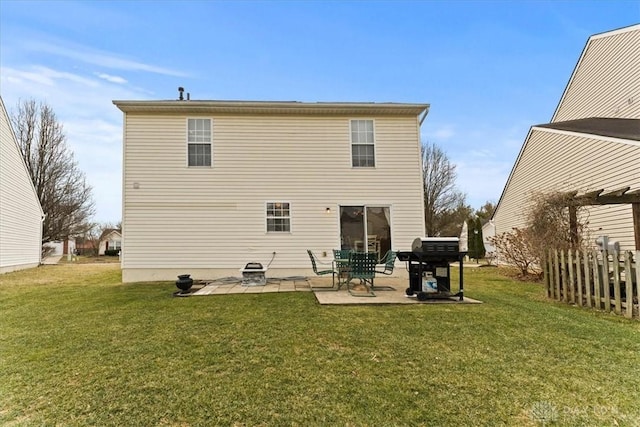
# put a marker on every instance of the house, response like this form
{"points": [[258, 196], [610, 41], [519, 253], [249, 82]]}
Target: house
{"points": [[20, 211], [110, 240], [592, 143], [210, 186]]}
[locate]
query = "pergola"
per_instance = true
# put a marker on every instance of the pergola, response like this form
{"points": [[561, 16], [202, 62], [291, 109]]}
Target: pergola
{"points": [[621, 196]]}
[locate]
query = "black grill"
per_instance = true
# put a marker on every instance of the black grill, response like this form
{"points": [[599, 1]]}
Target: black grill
{"points": [[433, 255]]}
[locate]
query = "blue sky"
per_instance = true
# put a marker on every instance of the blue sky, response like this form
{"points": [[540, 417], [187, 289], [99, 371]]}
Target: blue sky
{"points": [[489, 69]]}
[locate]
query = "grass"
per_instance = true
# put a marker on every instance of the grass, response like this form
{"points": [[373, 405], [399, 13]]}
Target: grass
{"points": [[77, 347]]}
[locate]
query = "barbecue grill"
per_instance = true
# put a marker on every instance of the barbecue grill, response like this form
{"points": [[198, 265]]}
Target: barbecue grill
{"points": [[428, 259]]}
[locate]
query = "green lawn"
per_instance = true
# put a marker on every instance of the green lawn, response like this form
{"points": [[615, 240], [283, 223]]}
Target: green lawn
{"points": [[77, 347]]}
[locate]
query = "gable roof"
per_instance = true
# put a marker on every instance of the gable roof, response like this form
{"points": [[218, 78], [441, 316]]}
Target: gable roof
{"points": [[108, 232], [600, 126]]}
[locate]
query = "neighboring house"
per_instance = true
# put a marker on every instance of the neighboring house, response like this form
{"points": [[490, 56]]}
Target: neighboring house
{"points": [[592, 142], [210, 186], [111, 239], [20, 211]]}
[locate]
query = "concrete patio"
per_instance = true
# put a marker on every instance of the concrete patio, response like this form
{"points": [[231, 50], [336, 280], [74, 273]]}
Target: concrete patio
{"points": [[388, 290]]}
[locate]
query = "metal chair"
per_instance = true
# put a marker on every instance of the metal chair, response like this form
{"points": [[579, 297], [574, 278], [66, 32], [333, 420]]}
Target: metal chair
{"points": [[362, 266], [341, 265], [314, 265], [389, 263]]}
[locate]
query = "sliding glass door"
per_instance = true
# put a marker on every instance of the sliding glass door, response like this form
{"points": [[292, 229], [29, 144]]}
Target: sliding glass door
{"points": [[365, 229]]}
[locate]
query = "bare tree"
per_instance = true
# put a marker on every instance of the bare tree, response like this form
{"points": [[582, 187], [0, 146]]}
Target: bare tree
{"points": [[441, 197], [61, 186]]}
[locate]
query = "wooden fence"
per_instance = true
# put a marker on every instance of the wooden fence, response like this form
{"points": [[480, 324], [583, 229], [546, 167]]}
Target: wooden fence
{"points": [[606, 281]]}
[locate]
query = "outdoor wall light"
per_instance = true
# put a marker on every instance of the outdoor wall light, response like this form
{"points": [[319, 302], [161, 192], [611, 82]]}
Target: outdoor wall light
{"points": [[328, 210]]}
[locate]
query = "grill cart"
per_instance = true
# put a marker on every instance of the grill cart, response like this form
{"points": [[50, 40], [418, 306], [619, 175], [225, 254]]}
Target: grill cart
{"points": [[428, 264]]}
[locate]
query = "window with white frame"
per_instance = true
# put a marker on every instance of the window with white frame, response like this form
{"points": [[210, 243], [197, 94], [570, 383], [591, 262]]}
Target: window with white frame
{"points": [[362, 143], [278, 217], [199, 142]]}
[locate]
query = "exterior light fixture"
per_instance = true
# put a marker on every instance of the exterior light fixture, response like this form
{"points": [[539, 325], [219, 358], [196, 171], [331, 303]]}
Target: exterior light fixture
{"points": [[328, 210]]}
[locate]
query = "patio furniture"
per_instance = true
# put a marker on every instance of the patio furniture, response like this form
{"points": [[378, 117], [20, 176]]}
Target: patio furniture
{"points": [[362, 266], [314, 265], [388, 261], [341, 265]]}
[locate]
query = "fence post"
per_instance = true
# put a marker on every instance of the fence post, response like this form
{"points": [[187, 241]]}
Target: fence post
{"points": [[587, 279], [556, 274], [606, 287], [579, 276], [628, 279], [545, 272], [616, 282], [571, 282], [565, 280], [596, 280], [637, 262]]}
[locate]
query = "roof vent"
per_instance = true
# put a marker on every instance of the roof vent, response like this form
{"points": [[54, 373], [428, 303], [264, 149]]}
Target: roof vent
{"points": [[181, 91]]}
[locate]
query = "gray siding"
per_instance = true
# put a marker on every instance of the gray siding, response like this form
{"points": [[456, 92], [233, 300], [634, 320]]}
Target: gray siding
{"points": [[211, 221], [556, 161], [606, 81], [20, 212]]}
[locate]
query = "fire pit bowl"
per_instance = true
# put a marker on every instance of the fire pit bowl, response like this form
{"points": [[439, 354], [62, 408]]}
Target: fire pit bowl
{"points": [[184, 283]]}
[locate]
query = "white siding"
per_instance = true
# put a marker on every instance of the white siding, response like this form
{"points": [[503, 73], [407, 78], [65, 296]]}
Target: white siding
{"points": [[20, 212], [211, 221], [606, 81], [553, 161]]}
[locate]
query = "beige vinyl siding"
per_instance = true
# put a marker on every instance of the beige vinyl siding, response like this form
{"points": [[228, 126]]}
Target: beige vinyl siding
{"points": [[214, 217], [606, 81], [20, 211], [554, 161]]}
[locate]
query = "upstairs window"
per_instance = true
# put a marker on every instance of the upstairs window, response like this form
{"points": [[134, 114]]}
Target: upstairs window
{"points": [[199, 142], [278, 217], [362, 144]]}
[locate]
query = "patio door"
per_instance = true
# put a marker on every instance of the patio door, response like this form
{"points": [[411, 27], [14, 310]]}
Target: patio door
{"points": [[365, 229]]}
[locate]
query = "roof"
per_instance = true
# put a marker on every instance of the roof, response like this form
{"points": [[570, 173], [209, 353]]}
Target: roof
{"points": [[108, 231], [611, 127], [273, 107]]}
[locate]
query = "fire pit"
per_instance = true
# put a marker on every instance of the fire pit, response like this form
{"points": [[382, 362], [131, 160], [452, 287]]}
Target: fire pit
{"points": [[253, 274]]}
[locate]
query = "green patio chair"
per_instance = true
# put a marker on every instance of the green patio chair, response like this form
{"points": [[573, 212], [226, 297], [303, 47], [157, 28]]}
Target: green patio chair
{"points": [[341, 265], [388, 261], [314, 265], [362, 266]]}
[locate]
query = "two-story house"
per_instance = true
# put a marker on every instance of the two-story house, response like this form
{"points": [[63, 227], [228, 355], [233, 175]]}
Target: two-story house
{"points": [[212, 185], [592, 143]]}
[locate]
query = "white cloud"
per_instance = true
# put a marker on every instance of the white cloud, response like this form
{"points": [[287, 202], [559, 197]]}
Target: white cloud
{"points": [[110, 78], [99, 58]]}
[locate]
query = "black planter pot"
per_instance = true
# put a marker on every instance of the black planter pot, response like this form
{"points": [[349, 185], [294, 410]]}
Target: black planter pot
{"points": [[184, 283]]}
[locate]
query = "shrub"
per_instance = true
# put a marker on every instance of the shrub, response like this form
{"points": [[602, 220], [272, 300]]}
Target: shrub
{"points": [[554, 221], [112, 252]]}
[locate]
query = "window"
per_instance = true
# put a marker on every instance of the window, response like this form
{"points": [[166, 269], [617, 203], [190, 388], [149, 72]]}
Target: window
{"points": [[362, 143], [278, 217], [199, 142], [115, 244]]}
